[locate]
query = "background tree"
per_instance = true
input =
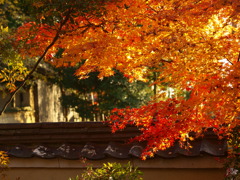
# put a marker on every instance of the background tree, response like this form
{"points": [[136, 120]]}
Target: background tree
{"points": [[93, 98], [12, 65]]}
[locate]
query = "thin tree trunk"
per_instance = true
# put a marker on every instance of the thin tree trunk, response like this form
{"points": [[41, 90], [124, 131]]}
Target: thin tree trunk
{"points": [[36, 103]]}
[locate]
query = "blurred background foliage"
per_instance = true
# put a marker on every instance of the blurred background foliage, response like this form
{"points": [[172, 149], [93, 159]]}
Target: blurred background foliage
{"points": [[93, 96]]}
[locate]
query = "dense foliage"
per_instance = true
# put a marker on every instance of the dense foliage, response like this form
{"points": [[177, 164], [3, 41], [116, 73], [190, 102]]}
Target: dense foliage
{"points": [[192, 46]]}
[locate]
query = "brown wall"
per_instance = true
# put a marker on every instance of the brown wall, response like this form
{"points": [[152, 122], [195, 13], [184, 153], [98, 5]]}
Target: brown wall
{"points": [[149, 174], [182, 168]]}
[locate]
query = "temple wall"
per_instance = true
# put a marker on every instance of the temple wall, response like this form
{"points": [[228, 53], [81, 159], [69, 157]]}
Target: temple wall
{"points": [[182, 168], [39, 103], [18, 117], [49, 105]]}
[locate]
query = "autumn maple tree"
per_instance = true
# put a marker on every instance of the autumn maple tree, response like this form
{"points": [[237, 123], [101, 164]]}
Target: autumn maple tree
{"points": [[192, 46], [41, 15]]}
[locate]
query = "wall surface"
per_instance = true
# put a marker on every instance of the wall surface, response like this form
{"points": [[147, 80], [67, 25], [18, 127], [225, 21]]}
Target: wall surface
{"points": [[50, 109], [40, 103], [181, 168], [149, 174], [20, 110], [18, 117]]}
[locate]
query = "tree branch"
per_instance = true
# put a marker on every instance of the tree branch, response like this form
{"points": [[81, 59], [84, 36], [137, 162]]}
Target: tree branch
{"points": [[238, 60], [38, 61]]}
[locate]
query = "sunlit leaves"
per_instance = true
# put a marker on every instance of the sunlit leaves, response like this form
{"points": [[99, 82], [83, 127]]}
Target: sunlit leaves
{"points": [[15, 71], [4, 159], [12, 66], [181, 41]]}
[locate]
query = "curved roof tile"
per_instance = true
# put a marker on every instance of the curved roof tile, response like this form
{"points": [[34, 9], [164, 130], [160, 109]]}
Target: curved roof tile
{"points": [[92, 141]]}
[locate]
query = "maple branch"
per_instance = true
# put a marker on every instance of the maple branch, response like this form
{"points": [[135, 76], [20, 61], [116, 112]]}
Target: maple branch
{"points": [[238, 60], [152, 9], [38, 61], [229, 61]]}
